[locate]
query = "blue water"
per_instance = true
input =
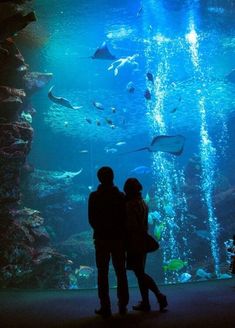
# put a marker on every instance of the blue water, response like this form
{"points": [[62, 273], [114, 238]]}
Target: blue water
{"points": [[189, 47]]}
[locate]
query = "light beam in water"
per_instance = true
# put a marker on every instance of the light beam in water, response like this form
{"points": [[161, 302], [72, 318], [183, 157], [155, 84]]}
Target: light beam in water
{"points": [[207, 151], [168, 179]]}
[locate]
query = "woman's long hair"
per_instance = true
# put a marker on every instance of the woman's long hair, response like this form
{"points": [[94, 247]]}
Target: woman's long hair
{"points": [[132, 188]]}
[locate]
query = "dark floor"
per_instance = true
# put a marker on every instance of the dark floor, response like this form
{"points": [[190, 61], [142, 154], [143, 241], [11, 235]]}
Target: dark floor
{"points": [[204, 304]]}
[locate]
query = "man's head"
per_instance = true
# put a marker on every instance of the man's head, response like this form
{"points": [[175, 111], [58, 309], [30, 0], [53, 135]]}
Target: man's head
{"points": [[105, 175]]}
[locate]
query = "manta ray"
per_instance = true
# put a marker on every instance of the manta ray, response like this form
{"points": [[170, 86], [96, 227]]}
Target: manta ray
{"points": [[169, 144], [103, 53], [66, 175], [61, 101]]}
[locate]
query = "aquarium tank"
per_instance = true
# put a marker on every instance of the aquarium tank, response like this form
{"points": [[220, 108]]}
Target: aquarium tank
{"points": [[145, 87]]}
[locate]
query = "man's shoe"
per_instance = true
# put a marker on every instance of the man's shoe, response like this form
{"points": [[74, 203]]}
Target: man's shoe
{"points": [[105, 313], [142, 307]]}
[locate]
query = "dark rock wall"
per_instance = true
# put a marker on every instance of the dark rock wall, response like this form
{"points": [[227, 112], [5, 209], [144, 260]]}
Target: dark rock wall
{"points": [[26, 257]]}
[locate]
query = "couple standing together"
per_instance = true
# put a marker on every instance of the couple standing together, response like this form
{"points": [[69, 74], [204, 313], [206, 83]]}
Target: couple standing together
{"points": [[120, 223]]}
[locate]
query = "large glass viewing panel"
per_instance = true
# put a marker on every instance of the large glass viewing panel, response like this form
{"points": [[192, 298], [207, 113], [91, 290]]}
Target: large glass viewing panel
{"points": [[133, 71]]}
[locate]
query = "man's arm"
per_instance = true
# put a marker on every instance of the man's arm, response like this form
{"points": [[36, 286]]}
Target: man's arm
{"points": [[91, 210]]}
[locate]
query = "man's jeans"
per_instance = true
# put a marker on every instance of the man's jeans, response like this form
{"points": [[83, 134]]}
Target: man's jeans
{"points": [[106, 249]]}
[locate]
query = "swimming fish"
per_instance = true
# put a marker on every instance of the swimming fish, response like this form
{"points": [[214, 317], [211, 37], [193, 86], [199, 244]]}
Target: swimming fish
{"points": [[158, 230], [174, 265], [141, 170], [84, 271], [113, 109], [98, 105], [110, 122], [130, 87], [150, 78], [169, 144], [216, 10], [147, 198], [147, 94], [174, 110], [184, 277], [140, 11], [89, 120], [201, 273], [120, 143], [154, 216], [103, 53], [61, 101], [110, 150], [66, 175], [169, 210], [224, 276], [192, 216], [203, 234]]}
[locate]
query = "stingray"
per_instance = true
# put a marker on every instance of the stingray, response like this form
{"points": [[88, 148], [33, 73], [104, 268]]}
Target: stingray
{"points": [[169, 144], [103, 53]]}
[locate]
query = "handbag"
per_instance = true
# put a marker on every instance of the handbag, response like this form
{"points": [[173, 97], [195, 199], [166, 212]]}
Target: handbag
{"points": [[151, 244]]}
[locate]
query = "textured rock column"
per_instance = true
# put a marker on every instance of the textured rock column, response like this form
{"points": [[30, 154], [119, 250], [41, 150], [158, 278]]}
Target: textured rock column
{"points": [[26, 258]]}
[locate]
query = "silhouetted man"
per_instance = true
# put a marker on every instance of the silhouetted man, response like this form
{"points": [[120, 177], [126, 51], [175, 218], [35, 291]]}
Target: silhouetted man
{"points": [[106, 213]]}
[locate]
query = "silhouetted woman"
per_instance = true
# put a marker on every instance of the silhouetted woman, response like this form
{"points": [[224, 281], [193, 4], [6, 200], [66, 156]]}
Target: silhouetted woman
{"points": [[137, 226]]}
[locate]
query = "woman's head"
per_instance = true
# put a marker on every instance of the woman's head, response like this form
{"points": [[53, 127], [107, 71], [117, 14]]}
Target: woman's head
{"points": [[132, 187]]}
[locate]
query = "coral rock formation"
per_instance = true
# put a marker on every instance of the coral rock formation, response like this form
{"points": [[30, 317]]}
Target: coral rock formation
{"points": [[26, 258]]}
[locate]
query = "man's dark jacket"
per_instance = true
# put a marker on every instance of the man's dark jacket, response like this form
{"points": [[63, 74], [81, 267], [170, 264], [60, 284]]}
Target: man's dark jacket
{"points": [[106, 213]]}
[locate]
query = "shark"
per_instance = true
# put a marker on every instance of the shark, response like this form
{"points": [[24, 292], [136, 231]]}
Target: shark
{"points": [[61, 101]]}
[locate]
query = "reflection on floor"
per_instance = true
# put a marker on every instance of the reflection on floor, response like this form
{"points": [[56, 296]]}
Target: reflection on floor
{"points": [[203, 304]]}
